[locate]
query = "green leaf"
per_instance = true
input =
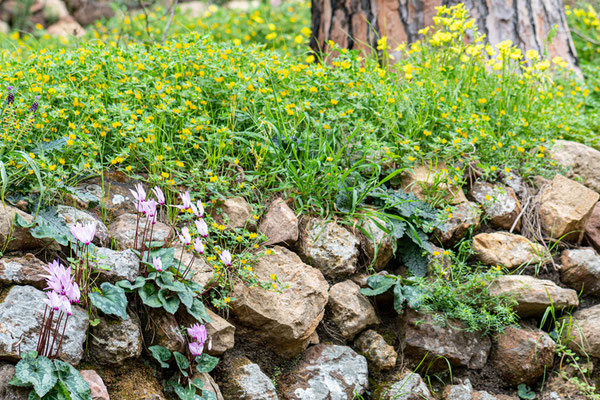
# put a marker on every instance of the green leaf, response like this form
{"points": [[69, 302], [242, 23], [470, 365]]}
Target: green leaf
{"points": [[169, 301], [398, 297], [185, 393], [166, 255], [112, 300], [48, 225], [378, 284], [198, 311], [199, 383], [167, 281], [182, 362], [38, 371], [149, 295], [17, 382], [414, 296], [77, 387], [414, 259], [187, 297], [128, 286], [161, 354], [207, 395], [206, 363], [525, 392]]}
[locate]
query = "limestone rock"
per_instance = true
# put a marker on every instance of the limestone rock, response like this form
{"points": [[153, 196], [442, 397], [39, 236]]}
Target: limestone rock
{"points": [[423, 335], [123, 229], [580, 269], [92, 11], [379, 246], [507, 249], [244, 380], [328, 372], [221, 332], [592, 228], [583, 161], [585, 332], [280, 224], [461, 391], [328, 247], [20, 315], [54, 10], [161, 328], [235, 212], [500, 204], [533, 295], [66, 27], [12, 237], [464, 217], [117, 265], [4, 28], [522, 356], [115, 198], [71, 216], [113, 342], [200, 272], [285, 320], [7, 391], [351, 311], [209, 385], [97, 386], [26, 270], [565, 208], [373, 346], [424, 178], [408, 386]]}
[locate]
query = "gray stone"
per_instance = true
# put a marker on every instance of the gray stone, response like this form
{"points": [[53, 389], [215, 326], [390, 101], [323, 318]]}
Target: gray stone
{"points": [[328, 372], [582, 161], [500, 204], [373, 346], [533, 295], [71, 216], [26, 270], [238, 213], [508, 250], [580, 270], [7, 391], [114, 341], [426, 337], [280, 224], [462, 391], [244, 380], [92, 11], [465, 216], [378, 245], [285, 320], [221, 332], [161, 328], [200, 272], [123, 229], [54, 10], [66, 27], [584, 332], [409, 386], [117, 265], [329, 247], [351, 311], [21, 313]]}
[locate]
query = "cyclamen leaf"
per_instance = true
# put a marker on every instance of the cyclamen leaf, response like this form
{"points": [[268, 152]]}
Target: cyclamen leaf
{"points": [[182, 362], [161, 354], [185, 393], [149, 295], [378, 284], [198, 311], [187, 298], [112, 300], [398, 297], [206, 395], [38, 371], [139, 282], [78, 388], [206, 363], [48, 225], [169, 303]]}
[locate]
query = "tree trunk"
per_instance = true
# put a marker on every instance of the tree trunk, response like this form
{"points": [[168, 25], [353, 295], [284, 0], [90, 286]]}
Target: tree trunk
{"points": [[357, 24]]}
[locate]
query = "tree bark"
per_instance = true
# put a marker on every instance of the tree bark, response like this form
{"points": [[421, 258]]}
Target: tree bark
{"points": [[358, 24]]}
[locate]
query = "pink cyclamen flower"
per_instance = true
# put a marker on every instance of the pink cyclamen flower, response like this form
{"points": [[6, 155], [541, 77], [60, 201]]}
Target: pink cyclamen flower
{"points": [[186, 202], [84, 233], [226, 257], [157, 263], [53, 301], [198, 246], [160, 196], [196, 348], [202, 228], [200, 209], [139, 194], [185, 236], [73, 293], [198, 333]]}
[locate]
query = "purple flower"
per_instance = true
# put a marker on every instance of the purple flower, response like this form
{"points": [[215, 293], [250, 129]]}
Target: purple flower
{"points": [[35, 105], [196, 349], [11, 96], [149, 209], [226, 257], [198, 333], [157, 263], [198, 209], [186, 202], [202, 228], [139, 193], [84, 233], [59, 280], [160, 196], [185, 236], [198, 245]]}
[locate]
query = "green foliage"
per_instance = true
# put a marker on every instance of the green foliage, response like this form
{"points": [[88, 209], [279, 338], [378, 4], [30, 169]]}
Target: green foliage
{"points": [[111, 300], [51, 380], [47, 225], [525, 392]]}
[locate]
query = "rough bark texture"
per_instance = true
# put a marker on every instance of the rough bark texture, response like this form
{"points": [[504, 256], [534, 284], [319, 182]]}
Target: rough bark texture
{"points": [[357, 24]]}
